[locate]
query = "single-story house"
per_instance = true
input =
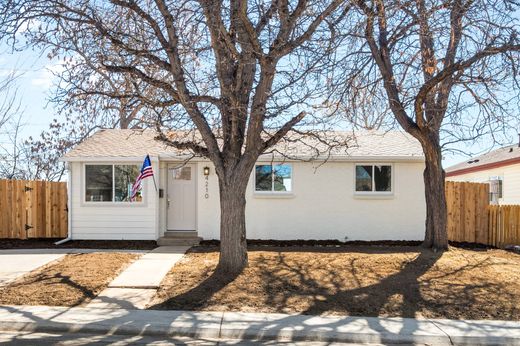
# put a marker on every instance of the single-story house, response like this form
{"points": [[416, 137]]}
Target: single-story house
{"points": [[500, 168], [373, 190]]}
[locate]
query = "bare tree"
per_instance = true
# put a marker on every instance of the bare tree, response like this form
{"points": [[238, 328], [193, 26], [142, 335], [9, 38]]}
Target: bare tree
{"points": [[448, 69], [237, 77], [80, 99], [12, 157]]}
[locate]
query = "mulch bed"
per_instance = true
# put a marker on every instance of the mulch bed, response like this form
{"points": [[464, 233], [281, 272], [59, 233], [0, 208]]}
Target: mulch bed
{"points": [[78, 244], [404, 281], [204, 244], [70, 281]]}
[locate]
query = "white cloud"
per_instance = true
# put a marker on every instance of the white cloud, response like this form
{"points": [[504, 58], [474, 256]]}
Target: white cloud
{"points": [[46, 76]]}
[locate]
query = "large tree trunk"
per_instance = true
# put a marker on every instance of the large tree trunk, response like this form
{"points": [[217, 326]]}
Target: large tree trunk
{"points": [[233, 246], [436, 236]]}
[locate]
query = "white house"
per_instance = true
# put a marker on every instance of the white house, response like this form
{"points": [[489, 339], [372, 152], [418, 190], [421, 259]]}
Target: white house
{"points": [[500, 168], [371, 191]]}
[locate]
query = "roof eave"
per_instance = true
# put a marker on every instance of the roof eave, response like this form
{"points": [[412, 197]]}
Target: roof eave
{"points": [[483, 167], [262, 158]]}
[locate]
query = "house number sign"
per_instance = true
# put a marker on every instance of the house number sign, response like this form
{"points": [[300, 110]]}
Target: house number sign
{"points": [[206, 195]]}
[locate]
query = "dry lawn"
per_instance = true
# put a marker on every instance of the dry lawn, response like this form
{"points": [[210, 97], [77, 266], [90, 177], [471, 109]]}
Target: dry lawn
{"points": [[356, 280], [72, 280]]}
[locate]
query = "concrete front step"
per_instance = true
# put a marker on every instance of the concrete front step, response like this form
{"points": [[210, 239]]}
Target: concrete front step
{"points": [[180, 234], [170, 241]]}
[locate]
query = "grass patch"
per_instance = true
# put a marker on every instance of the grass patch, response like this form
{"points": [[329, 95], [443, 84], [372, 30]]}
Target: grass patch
{"points": [[386, 281], [72, 280]]}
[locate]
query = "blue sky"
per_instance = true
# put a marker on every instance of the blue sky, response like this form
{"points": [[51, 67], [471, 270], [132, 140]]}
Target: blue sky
{"points": [[35, 86]]}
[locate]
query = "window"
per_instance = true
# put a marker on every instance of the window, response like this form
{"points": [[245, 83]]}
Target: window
{"points": [[110, 183], [273, 178], [183, 173], [374, 178], [495, 189]]}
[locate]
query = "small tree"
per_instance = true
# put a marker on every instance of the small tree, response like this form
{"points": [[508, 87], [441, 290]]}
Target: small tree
{"points": [[439, 62], [235, 76]]}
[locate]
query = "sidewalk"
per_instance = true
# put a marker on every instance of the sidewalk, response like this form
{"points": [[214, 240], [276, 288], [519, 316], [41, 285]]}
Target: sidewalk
{"points": [[256, 326], [15, 263], [136, 285]]}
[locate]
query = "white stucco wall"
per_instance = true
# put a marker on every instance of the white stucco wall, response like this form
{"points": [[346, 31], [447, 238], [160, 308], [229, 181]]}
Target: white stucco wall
{"points": [[112, 220], [510, 177], [324, 206]]}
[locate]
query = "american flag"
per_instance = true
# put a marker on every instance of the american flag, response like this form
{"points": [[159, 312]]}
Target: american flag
{"points": [[146, 171]]}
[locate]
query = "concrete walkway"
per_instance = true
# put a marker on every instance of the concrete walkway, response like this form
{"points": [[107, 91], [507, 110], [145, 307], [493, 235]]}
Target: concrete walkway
{"points": [[256, 326], [136, 286], [15, 265]]}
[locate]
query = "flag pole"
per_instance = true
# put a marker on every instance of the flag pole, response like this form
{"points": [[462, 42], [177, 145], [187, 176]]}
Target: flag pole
{"points": [[153, 176]]}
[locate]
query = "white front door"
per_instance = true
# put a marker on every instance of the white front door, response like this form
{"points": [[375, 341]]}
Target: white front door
{"points": [[181, 202]]}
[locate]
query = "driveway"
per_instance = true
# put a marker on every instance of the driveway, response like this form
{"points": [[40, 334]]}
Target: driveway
{"points": [[15, 264]]}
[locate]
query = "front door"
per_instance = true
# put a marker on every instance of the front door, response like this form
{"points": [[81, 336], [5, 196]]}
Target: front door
{"points": [[181, 202]]}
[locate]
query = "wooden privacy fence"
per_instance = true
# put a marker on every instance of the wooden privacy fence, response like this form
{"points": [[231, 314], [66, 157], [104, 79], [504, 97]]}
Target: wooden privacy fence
{"points": [[472, 219], [504, 225], [33, 209]]}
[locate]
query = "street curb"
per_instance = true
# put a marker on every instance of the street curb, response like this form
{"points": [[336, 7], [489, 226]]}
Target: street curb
{"points": [[257, 326]]}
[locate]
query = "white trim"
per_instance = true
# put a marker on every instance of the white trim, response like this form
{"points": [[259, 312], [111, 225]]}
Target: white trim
{"points": [[113, 203], [267, 194], [107, 159], [375, 194], [69, 201], [371, 159], [261, 158]]}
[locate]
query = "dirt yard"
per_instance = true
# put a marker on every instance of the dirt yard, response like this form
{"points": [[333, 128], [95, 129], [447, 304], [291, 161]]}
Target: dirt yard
{"points": [[356, 280], [72, 280]]}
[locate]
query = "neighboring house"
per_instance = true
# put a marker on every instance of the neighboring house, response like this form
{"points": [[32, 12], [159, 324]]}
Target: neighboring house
{"points": [[500, 168], [371, 191]]}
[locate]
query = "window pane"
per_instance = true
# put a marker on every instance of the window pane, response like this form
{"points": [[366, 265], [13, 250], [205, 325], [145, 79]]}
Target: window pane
{"points": [[263, 178], [363, 178], [383, 178], [125, 176], [98, 183], [282, 178], [183, 173]]}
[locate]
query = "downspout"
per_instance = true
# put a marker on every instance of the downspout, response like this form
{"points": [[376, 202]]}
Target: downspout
{"points": [[69, 205]]}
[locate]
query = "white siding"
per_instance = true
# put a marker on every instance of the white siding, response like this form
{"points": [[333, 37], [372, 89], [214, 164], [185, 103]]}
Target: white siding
{"points": [[105, 221], [511, 181], [324, 206]]}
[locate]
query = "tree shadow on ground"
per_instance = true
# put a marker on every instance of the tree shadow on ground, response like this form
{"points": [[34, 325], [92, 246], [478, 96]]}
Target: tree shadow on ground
{"points": [[197, 297], [356, 288], [289, 280], [46, 289]]}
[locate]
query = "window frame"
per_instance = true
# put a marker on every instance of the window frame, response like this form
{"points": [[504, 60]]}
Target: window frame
{"points": [[273, 193], [373, 192], [113, 202], [500, 179]]}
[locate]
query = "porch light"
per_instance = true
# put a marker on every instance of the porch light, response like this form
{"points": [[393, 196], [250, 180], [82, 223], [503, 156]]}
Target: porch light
{"points": [[206, 171]]}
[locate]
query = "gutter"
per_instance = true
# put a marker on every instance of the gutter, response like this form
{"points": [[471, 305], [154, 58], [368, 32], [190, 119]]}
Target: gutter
{"points": [[69, 209], [261, 158]]}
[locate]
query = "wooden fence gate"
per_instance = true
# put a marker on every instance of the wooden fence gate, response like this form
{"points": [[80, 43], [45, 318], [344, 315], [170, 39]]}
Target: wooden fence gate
{"points": [[33, 209], [467, 211], [472, 219]]}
